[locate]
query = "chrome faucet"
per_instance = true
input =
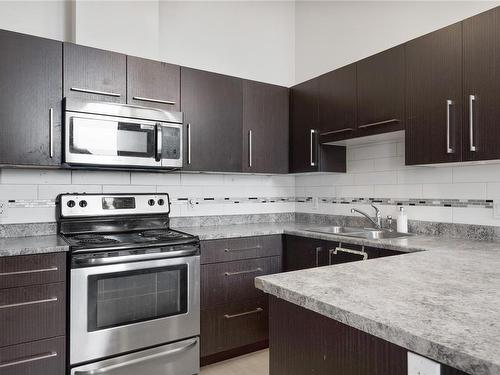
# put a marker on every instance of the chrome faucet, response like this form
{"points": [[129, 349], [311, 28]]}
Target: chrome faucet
{"points": [[376, 222]]}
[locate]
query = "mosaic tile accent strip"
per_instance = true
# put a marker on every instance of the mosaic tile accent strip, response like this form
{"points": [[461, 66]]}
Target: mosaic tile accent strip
{"points": [[477, 203]]}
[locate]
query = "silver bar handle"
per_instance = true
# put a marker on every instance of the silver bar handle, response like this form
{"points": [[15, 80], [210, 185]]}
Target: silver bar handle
{"points": [[134, 258], [105, 369], [378, 123], [88, 91], [228, 250], [318, 249], [337, 131], [37, 302], [159, 142], [250, 148], [351, 251], [472, 99], [14, 273], [257, 310], [449, 149], [28, 359], [188, 126], [152, 100], [313, 163], [51, 132], [243, 272]]}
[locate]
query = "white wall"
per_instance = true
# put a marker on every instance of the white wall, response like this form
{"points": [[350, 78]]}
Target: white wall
{"points": [[248, 39], [378, 171], [130, 27], [332, 34]]}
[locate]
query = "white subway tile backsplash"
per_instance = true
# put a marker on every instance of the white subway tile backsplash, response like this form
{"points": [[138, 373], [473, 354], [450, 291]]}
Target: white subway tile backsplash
{"points": [[376, 178], [51, 191], [355, 191], [357, 166], [479, 216], [398, 191], [477, 173], [18, 192], [493, 190], [100, 178], [423, 175], [148, 178], [372, 151], [389, 164], [196, 179], [129, 189], [455, 191], [35, 176]]}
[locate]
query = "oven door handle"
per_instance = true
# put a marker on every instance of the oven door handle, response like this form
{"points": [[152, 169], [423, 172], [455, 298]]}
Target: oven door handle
{"points": [[105, 369], [134, 258]]}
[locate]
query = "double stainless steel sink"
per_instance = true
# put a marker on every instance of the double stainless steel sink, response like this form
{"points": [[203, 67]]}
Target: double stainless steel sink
{"points": [[365, 233]]}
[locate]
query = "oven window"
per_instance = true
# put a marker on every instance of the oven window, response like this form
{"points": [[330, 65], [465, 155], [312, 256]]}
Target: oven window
{"points": [[122, 298], [111, 138]]}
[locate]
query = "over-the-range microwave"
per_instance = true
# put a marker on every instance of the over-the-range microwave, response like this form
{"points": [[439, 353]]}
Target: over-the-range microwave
{"points": [[111, 135]]}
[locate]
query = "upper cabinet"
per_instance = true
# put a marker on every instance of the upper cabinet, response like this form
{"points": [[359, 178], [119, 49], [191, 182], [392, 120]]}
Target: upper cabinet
{"points": [[212, 106], [434, 97], [265, 128], [306, 153], [380, 92], [337, 103], [481, 57], [94, 74], [30, 100], [153, 84]]}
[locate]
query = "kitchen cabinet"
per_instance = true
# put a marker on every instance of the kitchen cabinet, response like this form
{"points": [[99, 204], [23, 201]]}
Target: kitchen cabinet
{"points": [[94, 74], [265, 128], [33, 314], [304, 342], [233, 312], [212, 106], [306, 153], [303, 252], [337, 103], [380, 92], [153, 84], [481, 72], [434, 97], [30, 100]]}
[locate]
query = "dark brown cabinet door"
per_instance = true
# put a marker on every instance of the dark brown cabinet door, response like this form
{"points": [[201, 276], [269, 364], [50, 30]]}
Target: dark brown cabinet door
{"points": [[265, 128], [337, 102], [433, 97], [30, 100], [303, 125], [153, 84], [481, 35], [301, 253], [381, 87], [212, 106], [94, 74]]}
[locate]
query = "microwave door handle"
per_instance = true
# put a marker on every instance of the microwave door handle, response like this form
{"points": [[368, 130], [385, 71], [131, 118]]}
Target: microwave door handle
{"points": [[159, 142]]}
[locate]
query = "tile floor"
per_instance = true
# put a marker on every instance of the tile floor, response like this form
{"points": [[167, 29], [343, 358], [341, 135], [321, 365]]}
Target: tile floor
{"points": [[251, 364]]}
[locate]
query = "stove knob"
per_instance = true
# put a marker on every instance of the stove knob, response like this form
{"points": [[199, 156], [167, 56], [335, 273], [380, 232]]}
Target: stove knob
{"points": [[161, 202], [82, 204], [151, 202], [71, 203]]}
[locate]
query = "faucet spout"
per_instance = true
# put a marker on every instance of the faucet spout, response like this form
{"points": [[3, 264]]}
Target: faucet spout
{"points": [[376, 222]]}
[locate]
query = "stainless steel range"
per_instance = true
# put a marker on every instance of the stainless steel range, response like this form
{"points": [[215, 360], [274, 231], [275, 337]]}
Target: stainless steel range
{"points": [[134, 293]]}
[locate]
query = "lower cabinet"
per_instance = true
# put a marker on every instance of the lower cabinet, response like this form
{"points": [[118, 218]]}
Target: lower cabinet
{"points": [[234, 314], [33, 315], [302, 252]]}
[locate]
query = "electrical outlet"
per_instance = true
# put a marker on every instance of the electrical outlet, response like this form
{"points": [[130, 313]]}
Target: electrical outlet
{"points": [[418, 365], [3, 208]]}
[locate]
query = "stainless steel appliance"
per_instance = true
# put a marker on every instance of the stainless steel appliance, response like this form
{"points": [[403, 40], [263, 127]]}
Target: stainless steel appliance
{"points": [[134, 293], [123, 136]]}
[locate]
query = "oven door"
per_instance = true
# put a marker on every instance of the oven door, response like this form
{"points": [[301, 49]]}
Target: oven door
{"points": [[125, 307], [110, 141]]}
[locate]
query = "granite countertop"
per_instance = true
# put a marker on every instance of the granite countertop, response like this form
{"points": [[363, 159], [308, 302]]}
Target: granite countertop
{"points": [[443, 303], [11, 246]]}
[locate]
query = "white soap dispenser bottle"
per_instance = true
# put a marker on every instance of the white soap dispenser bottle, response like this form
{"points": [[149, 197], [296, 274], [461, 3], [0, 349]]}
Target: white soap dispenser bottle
{"points": [[402, 221]]}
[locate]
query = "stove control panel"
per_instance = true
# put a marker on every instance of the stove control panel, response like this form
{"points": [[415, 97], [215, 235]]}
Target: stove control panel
{"points": [[78, 205]]}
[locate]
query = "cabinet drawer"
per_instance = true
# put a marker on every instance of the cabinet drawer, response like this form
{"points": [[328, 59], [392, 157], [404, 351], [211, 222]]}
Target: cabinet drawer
{"points": [[233, 325], [240, 248], [32, 269], [32, 313], [222, 283], [35, 358]]}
